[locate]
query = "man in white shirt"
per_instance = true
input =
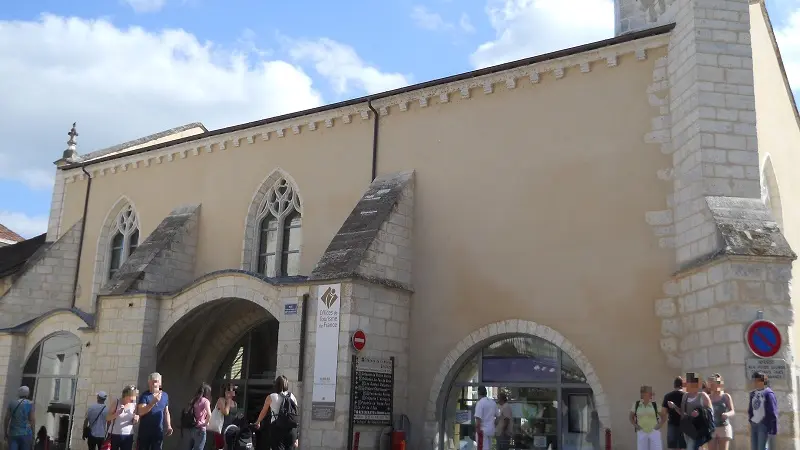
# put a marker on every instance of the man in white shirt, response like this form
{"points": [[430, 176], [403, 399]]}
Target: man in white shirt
{"points": [[485, 413]]}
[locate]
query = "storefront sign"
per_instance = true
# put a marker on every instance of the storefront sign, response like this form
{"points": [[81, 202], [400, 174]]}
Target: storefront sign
{"points": [[372, 390], [774, 369], [326, 352]]}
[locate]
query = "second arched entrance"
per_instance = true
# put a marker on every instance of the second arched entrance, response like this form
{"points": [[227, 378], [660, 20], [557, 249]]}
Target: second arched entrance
{"points": [[225, 340]]}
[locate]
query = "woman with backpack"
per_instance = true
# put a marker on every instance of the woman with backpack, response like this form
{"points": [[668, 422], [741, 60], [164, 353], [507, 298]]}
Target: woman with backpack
{"points": [[194, 419], [282, 408]]}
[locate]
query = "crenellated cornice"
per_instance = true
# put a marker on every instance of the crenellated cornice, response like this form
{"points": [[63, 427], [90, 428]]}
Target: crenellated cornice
{"points": [[444, 93]]}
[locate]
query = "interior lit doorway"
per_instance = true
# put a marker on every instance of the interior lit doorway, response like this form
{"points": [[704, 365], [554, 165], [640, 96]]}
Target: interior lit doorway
{"points": [[552, 404]]}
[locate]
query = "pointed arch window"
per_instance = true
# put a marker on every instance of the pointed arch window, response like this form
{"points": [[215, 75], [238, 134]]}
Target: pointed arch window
{"points": [[279, 222], [124, 238]]}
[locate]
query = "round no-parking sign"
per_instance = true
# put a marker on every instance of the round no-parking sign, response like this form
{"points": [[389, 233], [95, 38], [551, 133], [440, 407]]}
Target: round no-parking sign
{"points": [[763, 338]]}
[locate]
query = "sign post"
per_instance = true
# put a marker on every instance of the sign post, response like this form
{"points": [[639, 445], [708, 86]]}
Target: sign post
{"points": [[763, 338]]}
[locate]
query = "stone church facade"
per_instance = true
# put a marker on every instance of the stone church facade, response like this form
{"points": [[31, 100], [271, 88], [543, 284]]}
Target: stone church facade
{"points": [[533, 226]]}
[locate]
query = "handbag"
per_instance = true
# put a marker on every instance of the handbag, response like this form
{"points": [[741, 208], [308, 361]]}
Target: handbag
{"points": [[107, 441], [216, 421], [87, 431]]}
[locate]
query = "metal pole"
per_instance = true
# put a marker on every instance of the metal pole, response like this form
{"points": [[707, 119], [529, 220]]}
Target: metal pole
{"points": [[352, 403]]}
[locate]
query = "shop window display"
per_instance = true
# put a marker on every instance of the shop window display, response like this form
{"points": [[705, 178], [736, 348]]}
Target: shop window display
{"points": [[552, 406]]}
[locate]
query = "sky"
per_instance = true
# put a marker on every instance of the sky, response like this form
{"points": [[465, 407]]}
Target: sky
{"points": [[123, 69]]}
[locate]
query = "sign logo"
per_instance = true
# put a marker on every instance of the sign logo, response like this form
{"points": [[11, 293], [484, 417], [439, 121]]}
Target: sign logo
{"points": [[329, 297], [763, 338]]}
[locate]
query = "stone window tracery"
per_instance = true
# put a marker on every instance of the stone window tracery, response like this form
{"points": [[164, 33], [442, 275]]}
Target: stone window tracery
{"points": [[279, 223], [124, 240]]}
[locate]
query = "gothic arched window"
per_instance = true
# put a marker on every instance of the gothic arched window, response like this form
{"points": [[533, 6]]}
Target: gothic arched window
{"points": [[124, 238], [279, 234]]}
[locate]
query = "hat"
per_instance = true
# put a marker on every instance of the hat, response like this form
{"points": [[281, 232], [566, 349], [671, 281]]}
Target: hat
{"points": [[23, 391], [102, 394]]}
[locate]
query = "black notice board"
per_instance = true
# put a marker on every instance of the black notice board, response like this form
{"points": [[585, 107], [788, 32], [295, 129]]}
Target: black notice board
{"points": [[372, 390]]}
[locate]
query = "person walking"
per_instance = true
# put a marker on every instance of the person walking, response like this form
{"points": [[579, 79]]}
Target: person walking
{"points": [[763, 414], [282, 436], [193, 432], [20, 421], [94, 429], [723, 410], [675, 440], [123, 417], [155, 420], [504, 425], [226, 404], [485, 413], [645, 418]]}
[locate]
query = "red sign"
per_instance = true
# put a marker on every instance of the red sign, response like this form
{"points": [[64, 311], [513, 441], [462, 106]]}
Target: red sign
{"points": [[763, 338], [359, 340]]}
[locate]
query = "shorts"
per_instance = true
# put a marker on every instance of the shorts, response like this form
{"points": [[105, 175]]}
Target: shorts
{"points": [[675, 437], [724, 432]]}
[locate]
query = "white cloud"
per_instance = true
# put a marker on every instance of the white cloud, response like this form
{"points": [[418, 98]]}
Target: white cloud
{"points": [[24, 225], [120, 84], [788, 36], [344, 68], [146, 6], [466, 24], [428, 20], [527, 28]]}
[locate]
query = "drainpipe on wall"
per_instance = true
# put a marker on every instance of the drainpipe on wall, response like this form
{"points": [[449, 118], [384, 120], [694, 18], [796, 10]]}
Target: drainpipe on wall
{"points": [[375, 124], [83, 233]]}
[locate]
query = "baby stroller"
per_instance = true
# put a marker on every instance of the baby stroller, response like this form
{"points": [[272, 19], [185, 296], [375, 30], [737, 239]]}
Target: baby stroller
{"points": [[239, 435]]}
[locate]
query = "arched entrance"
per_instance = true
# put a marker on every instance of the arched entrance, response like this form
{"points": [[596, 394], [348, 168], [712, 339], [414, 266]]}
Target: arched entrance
{"points": [[229, 339], [553, 405], [51, 373]]}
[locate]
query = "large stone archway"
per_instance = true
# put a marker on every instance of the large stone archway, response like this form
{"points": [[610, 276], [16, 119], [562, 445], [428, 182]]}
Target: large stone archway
{"points": [[478, 338], [215, 287]]}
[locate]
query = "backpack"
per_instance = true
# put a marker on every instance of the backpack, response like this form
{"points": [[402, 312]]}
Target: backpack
{"points": [[287, 414], [242, 440], [655, 410], [188, 419]]}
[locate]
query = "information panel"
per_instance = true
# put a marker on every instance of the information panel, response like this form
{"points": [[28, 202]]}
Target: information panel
{"points": [[372, 390]]}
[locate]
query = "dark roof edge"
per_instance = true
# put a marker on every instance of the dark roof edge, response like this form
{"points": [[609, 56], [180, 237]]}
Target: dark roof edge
{"points": [[781, 65], [621, 39]]}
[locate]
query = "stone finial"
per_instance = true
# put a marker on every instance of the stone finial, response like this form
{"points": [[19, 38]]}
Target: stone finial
{"points": [[71, 153]]}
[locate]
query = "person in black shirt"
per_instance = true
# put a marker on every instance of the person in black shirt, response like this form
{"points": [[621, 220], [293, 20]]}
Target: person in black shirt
{"points": [[675, 440]]}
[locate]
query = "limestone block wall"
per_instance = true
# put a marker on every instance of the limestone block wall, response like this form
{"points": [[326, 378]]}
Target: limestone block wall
{"points": [[12, 354], [712, 105], [46, 285], [390, 255], [383, 314], [121, 353], [174, 266], [704, 322]]}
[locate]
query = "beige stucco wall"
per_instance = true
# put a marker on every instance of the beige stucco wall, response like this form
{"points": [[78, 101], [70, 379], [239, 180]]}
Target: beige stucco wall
{"points": [[778, 130], [530, 204]]}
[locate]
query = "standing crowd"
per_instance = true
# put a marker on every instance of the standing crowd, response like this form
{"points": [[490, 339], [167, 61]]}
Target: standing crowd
{"points": [[698, 415], [113, 426]]}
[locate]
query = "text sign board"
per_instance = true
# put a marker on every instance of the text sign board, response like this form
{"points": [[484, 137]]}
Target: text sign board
{"points": [[326, 353], [763, 338], [290, 309], [774, 369], [372, 392]]}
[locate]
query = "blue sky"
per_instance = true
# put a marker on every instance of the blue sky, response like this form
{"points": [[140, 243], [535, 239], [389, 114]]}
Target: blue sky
{"points": [[127, 68]]}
